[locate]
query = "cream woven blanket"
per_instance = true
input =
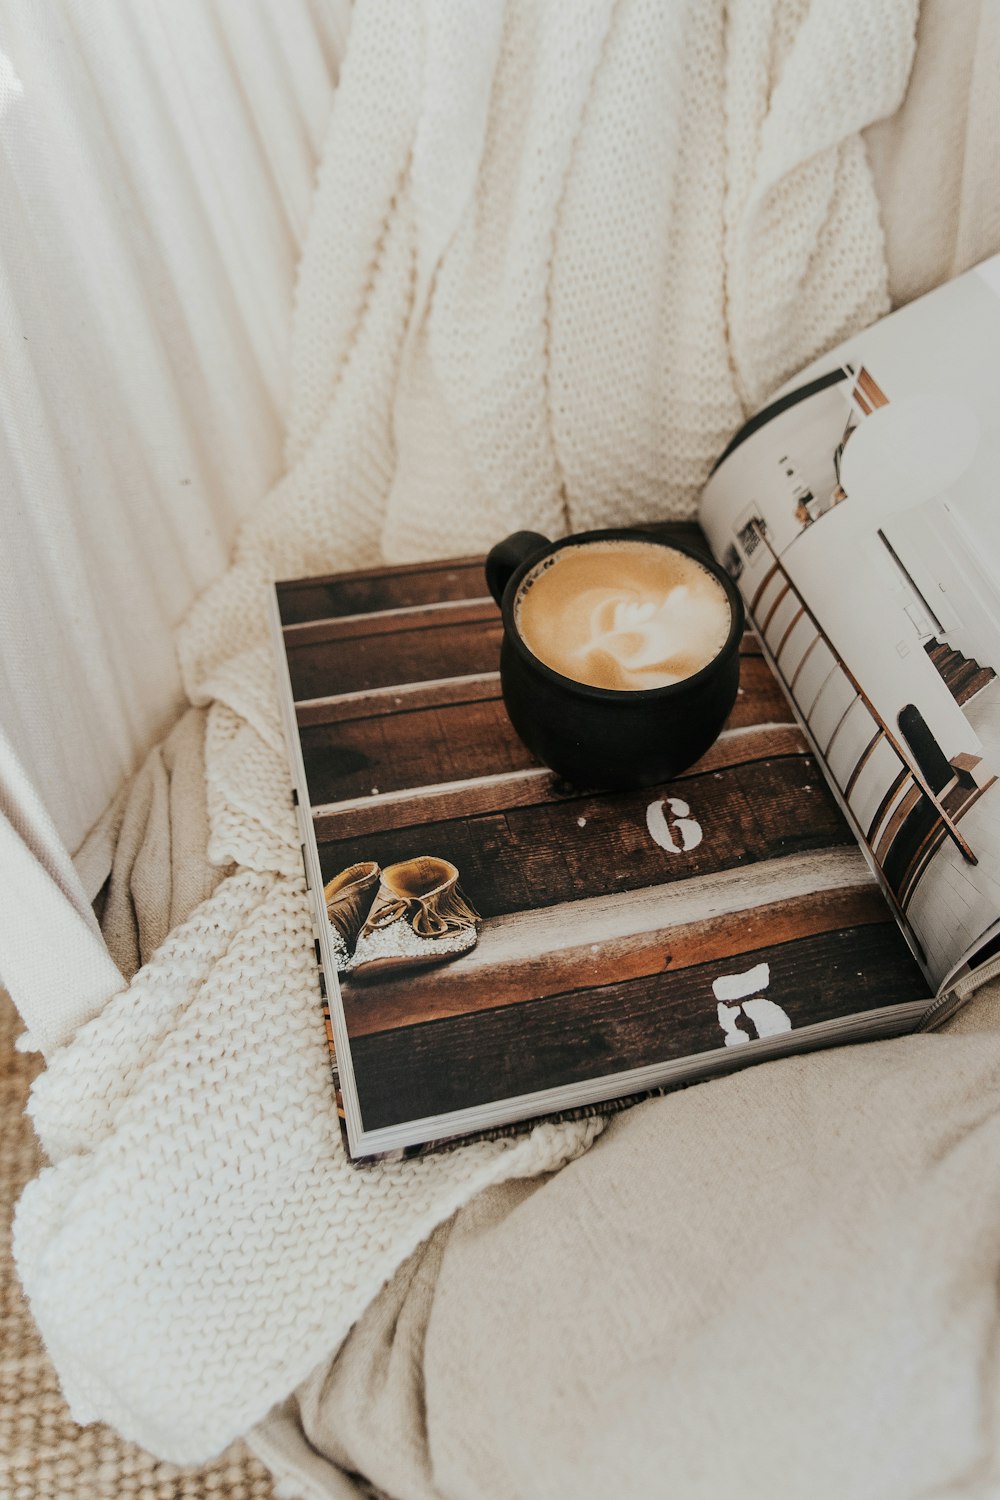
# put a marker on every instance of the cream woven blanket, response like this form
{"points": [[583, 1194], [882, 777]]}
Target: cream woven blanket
{"points": [[554, 258]]}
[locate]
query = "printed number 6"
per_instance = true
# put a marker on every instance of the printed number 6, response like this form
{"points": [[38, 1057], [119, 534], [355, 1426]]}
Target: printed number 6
{"points": [[671, 826]]}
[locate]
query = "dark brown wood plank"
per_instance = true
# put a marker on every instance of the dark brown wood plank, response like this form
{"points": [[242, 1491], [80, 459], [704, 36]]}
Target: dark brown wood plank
{"points": [[380, 588], [585, 844], [401, 698], [454, 742], [458, 988], [760, 699], [433, 745], [353, 818], [375, 673], [364, 662], [409, 808], [347, 628], [464, 1061]]}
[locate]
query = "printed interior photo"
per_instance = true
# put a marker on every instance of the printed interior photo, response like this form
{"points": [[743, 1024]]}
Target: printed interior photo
{"points": [[869, 558], [524, 934]]}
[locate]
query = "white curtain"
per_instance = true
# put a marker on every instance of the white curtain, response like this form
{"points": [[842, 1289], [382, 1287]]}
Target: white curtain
{"points": [[156, 171]]}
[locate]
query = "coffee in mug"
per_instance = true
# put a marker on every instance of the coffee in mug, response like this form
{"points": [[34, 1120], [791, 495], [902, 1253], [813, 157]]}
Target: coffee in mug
{"points": [[620, 653], [622, 615]]}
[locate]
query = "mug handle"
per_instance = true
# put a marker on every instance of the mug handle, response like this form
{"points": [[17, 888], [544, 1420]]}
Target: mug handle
{"points": [[507, 556]]}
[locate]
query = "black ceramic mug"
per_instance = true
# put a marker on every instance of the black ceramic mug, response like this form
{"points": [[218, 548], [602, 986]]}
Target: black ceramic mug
{"points": [[599, 736]]}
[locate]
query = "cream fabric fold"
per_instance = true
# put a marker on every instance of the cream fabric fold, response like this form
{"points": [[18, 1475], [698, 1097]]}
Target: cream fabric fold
{"points": [[775, 1285], [935, 160], [161, 871], [53, 956]]}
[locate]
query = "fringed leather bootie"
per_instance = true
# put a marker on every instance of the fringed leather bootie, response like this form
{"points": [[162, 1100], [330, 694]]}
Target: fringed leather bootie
{"points": [[349, 898], [419, 916]]}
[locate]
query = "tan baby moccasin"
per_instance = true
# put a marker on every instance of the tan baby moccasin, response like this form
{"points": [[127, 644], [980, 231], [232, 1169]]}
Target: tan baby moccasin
{"points": [[419, 916], [349, 898]]}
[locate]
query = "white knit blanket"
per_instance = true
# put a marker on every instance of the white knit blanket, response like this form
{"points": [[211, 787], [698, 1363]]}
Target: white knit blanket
{"points": [[556, 254]]}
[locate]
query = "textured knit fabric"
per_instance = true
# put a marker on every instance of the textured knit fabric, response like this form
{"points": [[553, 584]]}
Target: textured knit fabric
{"points": [[549, 268], [44, 1455]]}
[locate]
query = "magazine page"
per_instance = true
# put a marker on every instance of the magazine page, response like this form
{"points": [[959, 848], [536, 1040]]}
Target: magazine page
{"points": [[620, 941], [860, 515]]}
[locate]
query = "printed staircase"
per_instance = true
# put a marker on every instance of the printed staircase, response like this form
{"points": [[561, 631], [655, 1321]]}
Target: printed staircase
{"points": [[963, 676]]}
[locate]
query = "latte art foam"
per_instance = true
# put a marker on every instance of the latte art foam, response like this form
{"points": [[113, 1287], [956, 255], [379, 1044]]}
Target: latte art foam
{"points": [[623, 615]]}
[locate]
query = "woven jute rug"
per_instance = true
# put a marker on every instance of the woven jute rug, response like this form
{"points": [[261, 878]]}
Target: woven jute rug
{"points": [[44, 1455]]}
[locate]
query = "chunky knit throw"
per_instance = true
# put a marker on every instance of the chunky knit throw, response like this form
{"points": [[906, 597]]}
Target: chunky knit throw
{"points": [[556, 254]]}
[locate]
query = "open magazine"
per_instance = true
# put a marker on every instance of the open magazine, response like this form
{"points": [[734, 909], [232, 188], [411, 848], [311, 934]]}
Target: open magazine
{"points": [[859, 514], [633, 941]]}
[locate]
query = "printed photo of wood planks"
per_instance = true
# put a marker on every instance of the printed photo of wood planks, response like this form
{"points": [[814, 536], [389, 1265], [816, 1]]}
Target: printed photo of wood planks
{"points": [[619, 929]]}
